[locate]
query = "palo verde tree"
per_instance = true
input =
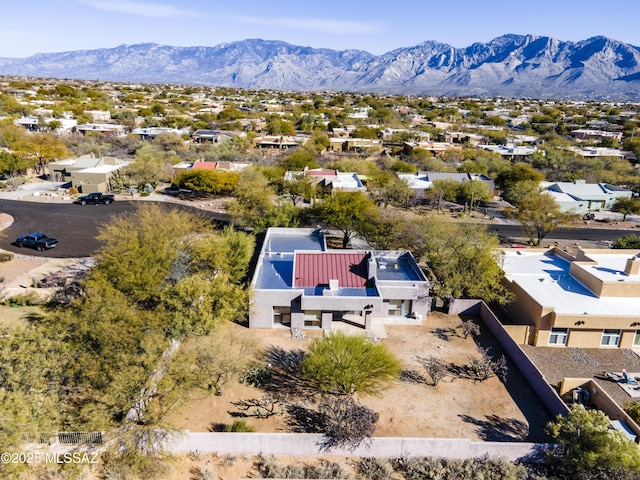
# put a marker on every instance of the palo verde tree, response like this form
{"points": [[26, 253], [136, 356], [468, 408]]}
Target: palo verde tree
{"points": [[342, 364], [626, 206], [463, 258], [539, 214], [349, 212]]}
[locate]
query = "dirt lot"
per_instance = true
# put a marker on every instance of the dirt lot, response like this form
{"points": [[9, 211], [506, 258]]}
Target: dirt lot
{"points": [[455, 408]]}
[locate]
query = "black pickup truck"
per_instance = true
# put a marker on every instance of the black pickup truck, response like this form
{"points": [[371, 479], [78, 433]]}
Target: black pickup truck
{"points": [[39, 241], [96, 198]]}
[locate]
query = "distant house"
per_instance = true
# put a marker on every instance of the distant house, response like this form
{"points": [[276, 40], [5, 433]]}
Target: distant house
{"points": [[151, 133], [596, 135], [299, 283], [598, 152], [355, 145], [433, 147], [211, 136], [592, 196], [512, 152], [421, 181], [274, 142], [108, 129], [329, 180], [88, 173]]}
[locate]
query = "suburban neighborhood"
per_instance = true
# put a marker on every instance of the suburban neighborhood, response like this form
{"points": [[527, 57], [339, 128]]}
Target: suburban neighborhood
{"points": [[274, 274]]}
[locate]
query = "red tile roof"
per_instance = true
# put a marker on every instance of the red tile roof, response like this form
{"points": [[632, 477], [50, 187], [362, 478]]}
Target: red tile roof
{"points": [[204, 165], [313, 269]]}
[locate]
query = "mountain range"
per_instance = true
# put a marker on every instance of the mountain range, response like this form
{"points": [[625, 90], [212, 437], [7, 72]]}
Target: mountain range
{"points": [[598, 68]]}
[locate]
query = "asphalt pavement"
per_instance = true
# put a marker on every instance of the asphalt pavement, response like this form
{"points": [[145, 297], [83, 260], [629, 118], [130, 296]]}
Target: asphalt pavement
{"points": [[76, 227]]}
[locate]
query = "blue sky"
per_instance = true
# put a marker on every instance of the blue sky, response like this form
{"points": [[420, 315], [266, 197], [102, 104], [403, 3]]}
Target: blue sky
{"points": [[42, 26]]}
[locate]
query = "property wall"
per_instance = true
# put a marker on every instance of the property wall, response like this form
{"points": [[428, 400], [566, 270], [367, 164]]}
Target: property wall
{"points": [[300, 444], [534, 377]]}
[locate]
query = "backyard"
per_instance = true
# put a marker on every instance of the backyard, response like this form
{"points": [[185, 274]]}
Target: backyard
{"points": [[457, 407]]}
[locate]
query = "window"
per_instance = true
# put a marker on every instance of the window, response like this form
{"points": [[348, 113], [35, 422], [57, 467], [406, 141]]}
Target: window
{"points": [[636, 339], [558, 336], [610, 337], [312, 318], [282, 315], [399, 308]]}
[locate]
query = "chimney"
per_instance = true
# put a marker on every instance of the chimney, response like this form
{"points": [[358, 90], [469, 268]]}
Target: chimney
{"points": [[633, 266]]}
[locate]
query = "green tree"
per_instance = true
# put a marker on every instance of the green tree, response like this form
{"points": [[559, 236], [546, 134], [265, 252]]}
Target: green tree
{"points": [[150, 166], [463, 258], [342, 364], [590, 444], [630, 241], [539, 214], [626, 206], [473, 192], [208, 182], [349, 212]]}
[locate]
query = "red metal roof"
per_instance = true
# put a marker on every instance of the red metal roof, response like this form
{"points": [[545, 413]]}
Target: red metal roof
{"points": [[313, 269]]}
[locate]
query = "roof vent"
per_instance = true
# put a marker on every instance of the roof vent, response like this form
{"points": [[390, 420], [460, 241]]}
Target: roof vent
{"points": [[333, 284]]}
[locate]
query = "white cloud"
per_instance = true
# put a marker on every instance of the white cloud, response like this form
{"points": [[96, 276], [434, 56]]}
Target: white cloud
{"points": [[324, 25], [140, 9]]}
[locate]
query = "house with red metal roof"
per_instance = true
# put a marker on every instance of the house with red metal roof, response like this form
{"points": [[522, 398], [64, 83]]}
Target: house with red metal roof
{"points": [[299, 283]]}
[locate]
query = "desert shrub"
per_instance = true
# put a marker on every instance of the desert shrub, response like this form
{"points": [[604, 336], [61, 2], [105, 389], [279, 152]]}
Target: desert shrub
{"points": [[6, 257], [325, 470], [470, 469], [630, 241], [256, 375], [346, 423], [24, 300], [435, 368], [271, 468], [375, 468], [239, 426], [633, 410], [203, 473], [485, 367]]}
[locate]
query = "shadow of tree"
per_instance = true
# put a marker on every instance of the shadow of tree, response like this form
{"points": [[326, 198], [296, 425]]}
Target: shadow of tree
{"points": [[412, 376], [286, 378], [499, 429], [304, 420], [444, 333], [216, 427]]}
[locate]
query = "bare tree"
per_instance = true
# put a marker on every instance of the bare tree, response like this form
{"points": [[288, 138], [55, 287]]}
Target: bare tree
{"points": [[435, 368]]}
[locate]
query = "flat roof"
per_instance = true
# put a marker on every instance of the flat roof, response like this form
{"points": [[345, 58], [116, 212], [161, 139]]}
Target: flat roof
{"points": [[610, 268], [398, 268], [290, 242], [545, 277]]}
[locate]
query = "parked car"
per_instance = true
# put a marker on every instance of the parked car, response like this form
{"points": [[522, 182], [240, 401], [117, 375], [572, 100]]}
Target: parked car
{"points": [[39, 241], [96, 198]]}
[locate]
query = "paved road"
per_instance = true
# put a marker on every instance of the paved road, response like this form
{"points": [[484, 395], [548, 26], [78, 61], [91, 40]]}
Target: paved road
{"points": [[74, 226], [594, 234]]}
